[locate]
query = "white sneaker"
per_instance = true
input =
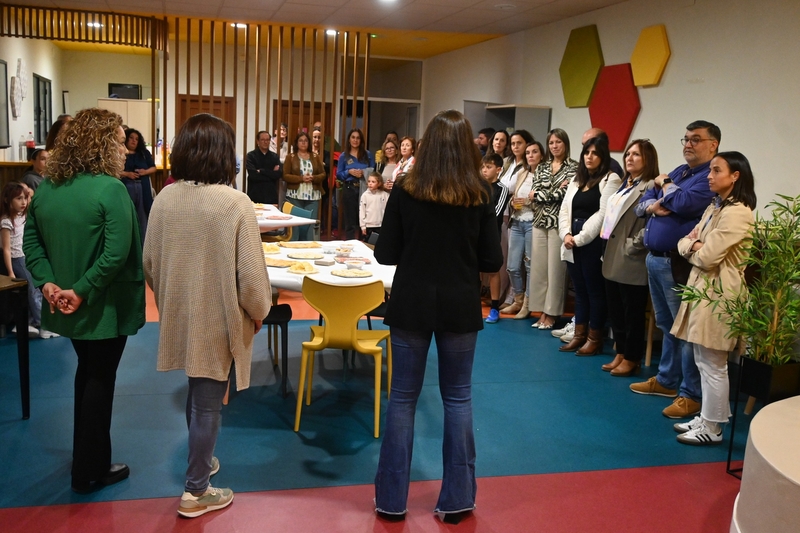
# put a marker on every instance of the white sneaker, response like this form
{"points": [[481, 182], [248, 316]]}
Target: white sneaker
{"points": [[32, 332], [685, 427], [700, 435], [44, 334], [569, 328], [212, 500]]}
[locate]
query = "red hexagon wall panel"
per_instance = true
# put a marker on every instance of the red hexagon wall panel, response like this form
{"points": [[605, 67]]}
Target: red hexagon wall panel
{"points": [[615, 104]]}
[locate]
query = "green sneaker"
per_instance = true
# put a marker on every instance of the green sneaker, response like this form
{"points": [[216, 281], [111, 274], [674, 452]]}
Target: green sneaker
{"points": [[212, 500], [214, 465]]}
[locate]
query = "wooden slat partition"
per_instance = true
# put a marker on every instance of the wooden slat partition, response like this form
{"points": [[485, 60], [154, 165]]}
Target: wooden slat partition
{"points": [[82, 26], [316, 74]]}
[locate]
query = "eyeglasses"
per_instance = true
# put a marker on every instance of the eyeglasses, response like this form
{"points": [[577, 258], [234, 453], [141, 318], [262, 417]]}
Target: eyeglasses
{"points": [[694, 141]]}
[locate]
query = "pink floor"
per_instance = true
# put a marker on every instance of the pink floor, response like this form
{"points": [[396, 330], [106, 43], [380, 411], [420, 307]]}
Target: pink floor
{"points": [[686, 499]]}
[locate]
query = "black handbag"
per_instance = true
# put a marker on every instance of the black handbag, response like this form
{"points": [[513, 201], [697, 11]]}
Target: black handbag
{"points": [[681, 268]]}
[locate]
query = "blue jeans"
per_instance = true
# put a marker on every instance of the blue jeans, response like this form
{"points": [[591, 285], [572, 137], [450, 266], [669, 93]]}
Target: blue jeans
{"points": [[410, 353], [677, 366], [520, 242], [34, 294], [203, 417]]}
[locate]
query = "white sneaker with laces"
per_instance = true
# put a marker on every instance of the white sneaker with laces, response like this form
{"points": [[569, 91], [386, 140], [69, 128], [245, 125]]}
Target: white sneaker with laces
{"points": [[685, 427], [44, 334], [211, 500], [701, 435], [569, 328]]}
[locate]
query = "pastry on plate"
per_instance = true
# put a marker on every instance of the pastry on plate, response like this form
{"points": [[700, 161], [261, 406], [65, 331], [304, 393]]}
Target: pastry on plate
{"points": [[270, 248], [278, 263], [300, 244], [351, 273], [302, 267]]}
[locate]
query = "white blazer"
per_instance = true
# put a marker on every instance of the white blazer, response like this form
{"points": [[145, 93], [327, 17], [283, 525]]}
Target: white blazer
{"points": [[591, 228]]}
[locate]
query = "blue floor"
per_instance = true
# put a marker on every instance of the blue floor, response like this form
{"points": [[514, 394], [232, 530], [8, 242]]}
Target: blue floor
{"points": [[536, 410]]}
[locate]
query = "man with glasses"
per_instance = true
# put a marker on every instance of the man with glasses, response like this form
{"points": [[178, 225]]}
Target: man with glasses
{"points": [[673, 207], [263, 171]]}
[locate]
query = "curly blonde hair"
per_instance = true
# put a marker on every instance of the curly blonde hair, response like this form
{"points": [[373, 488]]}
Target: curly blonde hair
{"points": [[88, 145]]}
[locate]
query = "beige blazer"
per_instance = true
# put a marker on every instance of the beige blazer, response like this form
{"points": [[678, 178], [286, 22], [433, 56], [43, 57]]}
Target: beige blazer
{"points": [[623, 260], [723, 232]]}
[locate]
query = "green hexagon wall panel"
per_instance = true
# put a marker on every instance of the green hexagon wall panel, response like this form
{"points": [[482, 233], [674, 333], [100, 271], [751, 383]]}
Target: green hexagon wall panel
{"points": [[580, 66], [650, 56]]}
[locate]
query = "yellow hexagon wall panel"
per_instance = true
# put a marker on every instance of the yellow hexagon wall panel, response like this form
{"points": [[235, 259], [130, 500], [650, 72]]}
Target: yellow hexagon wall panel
{"points": [[650, 56], [580, 66]]}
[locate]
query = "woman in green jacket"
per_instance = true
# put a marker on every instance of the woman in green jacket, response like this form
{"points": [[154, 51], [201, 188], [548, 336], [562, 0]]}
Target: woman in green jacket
{"points": [[83, 249]]}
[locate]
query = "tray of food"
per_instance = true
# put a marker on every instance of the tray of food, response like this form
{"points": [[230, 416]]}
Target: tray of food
{"points": [[300, 244], [304, 255], [351, 273], [343, 260]]}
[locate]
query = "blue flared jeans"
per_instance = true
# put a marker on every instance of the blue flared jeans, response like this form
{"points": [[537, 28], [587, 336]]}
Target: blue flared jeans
{"points": [[456, 352]]}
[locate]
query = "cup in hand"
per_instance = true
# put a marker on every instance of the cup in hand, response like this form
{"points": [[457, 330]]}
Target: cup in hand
{"points": [[518, 202]]}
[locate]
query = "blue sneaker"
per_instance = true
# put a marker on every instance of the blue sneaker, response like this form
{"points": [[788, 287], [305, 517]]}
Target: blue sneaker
{"points": [[494, 316]]}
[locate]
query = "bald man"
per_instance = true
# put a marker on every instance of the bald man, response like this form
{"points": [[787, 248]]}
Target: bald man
{"points": [[597, 132]]}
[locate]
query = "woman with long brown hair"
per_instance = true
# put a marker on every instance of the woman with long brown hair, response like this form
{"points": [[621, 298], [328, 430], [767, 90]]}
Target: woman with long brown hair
{"points": [[716, 248], [350, 174], [580, 219], [436, 293]]}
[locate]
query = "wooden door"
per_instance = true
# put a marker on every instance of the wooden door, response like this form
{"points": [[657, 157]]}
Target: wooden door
{"points": [[223, 107]]}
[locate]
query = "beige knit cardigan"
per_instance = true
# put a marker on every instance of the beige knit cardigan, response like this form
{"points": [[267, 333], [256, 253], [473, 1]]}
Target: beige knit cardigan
{"points": [[203, 260]]}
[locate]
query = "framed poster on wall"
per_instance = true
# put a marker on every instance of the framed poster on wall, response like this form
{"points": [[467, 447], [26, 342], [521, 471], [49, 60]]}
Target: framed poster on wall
{"points": [[4, 140]]}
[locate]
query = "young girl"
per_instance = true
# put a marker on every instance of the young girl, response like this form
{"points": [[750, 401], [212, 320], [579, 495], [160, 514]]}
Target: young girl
{"points": [[373, 204], [13, 208]]}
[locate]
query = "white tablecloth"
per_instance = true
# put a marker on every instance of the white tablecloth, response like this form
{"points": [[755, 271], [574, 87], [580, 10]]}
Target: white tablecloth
{"points": [[281, 278], [265, 224]]}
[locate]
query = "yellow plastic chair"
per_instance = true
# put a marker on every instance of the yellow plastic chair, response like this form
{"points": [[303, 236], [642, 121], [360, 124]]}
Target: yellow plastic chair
{"points": [[283, 237], [342, 307]]}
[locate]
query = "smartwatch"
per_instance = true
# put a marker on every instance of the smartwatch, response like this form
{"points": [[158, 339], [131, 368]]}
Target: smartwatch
{"points": [[665, 181]]}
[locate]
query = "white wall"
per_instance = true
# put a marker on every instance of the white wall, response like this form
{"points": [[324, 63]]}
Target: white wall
{"points": [[735, 63], [86, 75], [42, 58]]}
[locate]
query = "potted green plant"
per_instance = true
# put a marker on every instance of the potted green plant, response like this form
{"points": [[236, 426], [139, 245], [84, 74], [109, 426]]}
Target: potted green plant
{"points": [[766, 317]]}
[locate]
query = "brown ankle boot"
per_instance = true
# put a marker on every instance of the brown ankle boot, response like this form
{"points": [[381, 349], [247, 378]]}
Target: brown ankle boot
{"points": [[626, 368], [594, 343], [514, 308], [608, 367], [577, 340], [523, 312]]}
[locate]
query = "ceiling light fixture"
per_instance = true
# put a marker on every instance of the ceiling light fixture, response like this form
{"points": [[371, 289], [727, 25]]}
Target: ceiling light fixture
{"points": [[94, 24], [331, 32], [238, 25]]}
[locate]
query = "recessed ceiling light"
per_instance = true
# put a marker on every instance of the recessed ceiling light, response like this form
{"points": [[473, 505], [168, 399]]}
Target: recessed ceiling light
{"points": [[238, 25], [94, 24], [505, 7], [331, 32]]}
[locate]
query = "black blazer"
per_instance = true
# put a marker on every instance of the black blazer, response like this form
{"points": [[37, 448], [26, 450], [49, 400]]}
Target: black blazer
{"points": [[439, 251]]}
